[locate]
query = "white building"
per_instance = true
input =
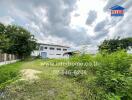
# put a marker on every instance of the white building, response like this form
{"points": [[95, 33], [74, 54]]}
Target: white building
{"points": [[51, 51], [129, 51]]}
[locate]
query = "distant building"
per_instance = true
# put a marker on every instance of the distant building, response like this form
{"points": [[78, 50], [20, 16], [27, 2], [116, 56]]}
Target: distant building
{"points": [[117, 11], [51, 51], [129, 51]]}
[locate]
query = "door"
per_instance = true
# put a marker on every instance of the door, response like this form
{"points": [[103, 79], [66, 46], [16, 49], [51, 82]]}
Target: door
{"points": [[44, 54]]}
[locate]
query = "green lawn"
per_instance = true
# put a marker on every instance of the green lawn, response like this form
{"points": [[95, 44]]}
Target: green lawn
{"points": [[49, 86]]}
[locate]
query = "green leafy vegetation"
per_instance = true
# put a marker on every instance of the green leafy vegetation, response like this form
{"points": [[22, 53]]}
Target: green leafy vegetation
{"points": [[49, 86], [113, 45], [9, 73], [108, 77], [111, 77], [16, 40]]}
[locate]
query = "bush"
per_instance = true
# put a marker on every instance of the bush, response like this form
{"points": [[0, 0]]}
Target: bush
{"points": [[112, 75]]}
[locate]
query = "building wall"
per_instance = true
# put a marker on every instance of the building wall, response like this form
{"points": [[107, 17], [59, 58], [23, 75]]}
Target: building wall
{"points": [[55, 53], [35, 53], [129, 51]]}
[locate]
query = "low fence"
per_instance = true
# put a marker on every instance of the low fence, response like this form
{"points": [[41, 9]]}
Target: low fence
{"points": [[7, 58]]}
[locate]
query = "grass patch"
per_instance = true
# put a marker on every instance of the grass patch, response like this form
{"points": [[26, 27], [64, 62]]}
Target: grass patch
{"points": [[9, 73], [50, 86], [109, 79]]}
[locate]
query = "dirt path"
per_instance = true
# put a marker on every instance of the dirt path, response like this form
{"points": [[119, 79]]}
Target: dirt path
{"points": [[29, 74]]}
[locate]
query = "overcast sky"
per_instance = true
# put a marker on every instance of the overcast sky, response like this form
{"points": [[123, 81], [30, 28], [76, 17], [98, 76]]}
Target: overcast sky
{"points": [[69, 22]]}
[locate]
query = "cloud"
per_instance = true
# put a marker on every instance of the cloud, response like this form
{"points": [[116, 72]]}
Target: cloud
{"points": [[47, 18], [127, 4], [120, 26], [76, 14], [58, 20], [101, 29], [50, 20], [6, 20], [92, 15], [123, 28], [101, 25], [111, 3]]}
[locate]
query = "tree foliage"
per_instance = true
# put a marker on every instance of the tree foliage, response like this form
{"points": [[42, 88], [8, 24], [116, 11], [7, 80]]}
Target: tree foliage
{"points": [[113, 45], [4, 41], [16, 40]]}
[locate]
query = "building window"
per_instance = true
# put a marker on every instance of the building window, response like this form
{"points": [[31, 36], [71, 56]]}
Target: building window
{"points": [[58, 54], [45, 47], [59, 49], [52, 48], [64, 49], [41, 48]]}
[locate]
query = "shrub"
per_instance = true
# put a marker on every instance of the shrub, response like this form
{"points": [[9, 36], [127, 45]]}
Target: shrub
{"points": [[112, 75]]}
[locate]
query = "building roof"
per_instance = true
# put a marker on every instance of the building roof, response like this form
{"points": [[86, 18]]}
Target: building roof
{"points": [[117, 7], [53, 45]]}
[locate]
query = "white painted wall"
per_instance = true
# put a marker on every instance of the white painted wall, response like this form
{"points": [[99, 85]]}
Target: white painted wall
{"points": [[8, 62], [52, 53], [129, 51], [35, 53]]}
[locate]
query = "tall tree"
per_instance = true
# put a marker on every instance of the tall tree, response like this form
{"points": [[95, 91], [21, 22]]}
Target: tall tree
{"points": [[16, 40], [113, 45], [4, 41], [22, 42]]}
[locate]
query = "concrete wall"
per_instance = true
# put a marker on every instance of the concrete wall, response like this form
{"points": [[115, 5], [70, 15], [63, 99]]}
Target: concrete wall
{"points": [[8, 62], [7, 58]]}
